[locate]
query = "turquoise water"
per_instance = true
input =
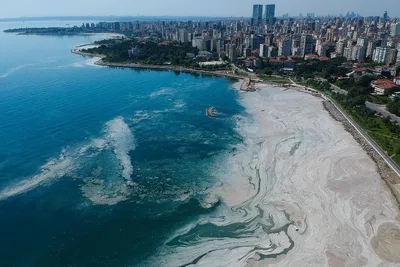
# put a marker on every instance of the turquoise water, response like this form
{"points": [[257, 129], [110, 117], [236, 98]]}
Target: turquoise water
{"points": [[99, 166]]}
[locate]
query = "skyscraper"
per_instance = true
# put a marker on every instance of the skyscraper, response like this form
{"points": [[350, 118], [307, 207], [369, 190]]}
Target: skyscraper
{"points": [[307, 45], [269, 15], [385, 16], [257, 15], [269, 11]]}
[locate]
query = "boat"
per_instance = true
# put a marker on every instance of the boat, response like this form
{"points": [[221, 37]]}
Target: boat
{"points": [[210, 112]]}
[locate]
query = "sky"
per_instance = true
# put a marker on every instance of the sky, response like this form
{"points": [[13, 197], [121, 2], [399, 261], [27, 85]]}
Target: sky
{"points": [[215, 8]]}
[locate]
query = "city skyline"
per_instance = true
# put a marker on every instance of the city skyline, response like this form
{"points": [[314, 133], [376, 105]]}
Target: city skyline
{"points": [[223, 8]]}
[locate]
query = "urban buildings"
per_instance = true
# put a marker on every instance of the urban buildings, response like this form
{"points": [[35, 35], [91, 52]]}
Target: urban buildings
{"points": [[381, 54], [264, 36]]}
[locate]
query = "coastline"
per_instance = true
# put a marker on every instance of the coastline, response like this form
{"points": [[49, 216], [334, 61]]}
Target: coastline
{"points": [[391, 179], [100, 62], [311, 210]]}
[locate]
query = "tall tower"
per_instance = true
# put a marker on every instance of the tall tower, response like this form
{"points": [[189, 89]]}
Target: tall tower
{"points": [[269, 14], [269, 11], [385, 16], [257, 15]]}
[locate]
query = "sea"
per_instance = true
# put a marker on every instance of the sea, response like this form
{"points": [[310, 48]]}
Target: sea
{"points": [[102, 166]]}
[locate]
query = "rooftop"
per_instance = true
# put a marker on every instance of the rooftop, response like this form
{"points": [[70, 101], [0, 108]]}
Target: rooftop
{"points": [[384, 84]]}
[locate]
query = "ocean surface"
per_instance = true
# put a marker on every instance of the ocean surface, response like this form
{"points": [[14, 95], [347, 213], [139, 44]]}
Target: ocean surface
{"points": [[101, 166]]}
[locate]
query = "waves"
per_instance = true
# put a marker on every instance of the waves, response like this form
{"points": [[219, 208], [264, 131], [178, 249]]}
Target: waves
{"points": [[117, 138]]}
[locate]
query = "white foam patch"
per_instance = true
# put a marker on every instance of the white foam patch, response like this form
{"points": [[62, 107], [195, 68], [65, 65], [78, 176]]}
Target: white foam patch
{"points": [[88, 62], [121, 138], [51, 170], [162, 92], [118, 138], [180, 104], [20, 67], [87, 46]]}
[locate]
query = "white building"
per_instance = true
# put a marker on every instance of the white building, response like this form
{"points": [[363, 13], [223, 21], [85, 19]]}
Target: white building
{"points": [[264, 50], [380, 54], [199, 42], [362, 42], [395, 29], [340, 47]]}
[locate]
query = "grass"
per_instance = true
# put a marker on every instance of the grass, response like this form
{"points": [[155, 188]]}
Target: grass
{"points": [[275, 79], [380, 133], [381, 100]]}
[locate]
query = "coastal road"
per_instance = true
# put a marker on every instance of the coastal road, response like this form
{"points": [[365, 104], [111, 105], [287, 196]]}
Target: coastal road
{"points": [[382, 110], [392, 164]]}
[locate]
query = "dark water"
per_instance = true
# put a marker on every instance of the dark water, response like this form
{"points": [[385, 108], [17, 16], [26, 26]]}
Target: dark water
{"points": [[98, 166]]}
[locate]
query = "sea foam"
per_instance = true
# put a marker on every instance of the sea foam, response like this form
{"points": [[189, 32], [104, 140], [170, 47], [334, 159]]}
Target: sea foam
{"points": [[121, 138], [117, 138]]}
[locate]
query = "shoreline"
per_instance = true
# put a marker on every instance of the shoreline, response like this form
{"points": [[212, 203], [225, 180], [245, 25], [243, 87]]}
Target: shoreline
{"points": [[391, 179], [100, 62], [320, 207]]}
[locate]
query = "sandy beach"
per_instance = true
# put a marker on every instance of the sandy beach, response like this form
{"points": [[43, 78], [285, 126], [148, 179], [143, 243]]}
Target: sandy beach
{"points": [[299, 192]]}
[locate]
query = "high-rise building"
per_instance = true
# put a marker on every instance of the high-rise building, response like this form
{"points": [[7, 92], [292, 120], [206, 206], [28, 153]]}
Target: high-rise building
{"points": [[263, 50], [284, 48], [395, 29], [398, 55], [391, 57], [269, 15], [257, 15], [272, 52], [183, 36], [307, 45], [358, 53], [340, 47], [255, 41], [381, 54], [385, 16], [269, 11], [362, 42], [370, 48]]}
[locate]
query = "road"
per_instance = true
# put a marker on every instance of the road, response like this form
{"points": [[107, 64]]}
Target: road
{"points": [[338, 89], [252, 75], [372, 143], [381, 109], [392, 164]]}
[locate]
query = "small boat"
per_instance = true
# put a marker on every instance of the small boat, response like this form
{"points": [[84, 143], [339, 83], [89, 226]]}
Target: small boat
{"points": [[210, 112]]}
